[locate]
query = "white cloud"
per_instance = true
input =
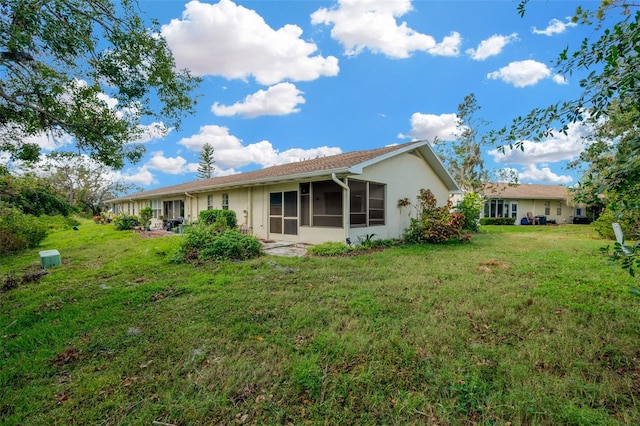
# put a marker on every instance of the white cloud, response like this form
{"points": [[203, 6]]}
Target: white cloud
{"points": [[555, 26], [560, 79], [140, 176], [281, 99], [230, 153], [371, 24], [47, 141], [152, 131], [449, 46], [521, 73], [170, 165], [559, 147], [491, 46], [235, 42], [543, 175], [431, 126]]}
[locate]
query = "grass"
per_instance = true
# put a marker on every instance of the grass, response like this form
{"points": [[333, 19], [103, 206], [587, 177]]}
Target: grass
{"points": [[526, 325]]}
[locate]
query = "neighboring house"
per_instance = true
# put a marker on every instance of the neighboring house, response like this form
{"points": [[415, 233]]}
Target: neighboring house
{"points": [[551, 202], [325, 199]]}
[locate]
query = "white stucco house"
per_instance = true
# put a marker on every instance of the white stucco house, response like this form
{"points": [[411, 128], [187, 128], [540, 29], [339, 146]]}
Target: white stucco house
{"points": [[551, 202], [324, 199]]}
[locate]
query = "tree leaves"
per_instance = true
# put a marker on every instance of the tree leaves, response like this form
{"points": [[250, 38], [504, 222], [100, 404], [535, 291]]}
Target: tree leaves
{"points": [[60, 58], [613, 64]]}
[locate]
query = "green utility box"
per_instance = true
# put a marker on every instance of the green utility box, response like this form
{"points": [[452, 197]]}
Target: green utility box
{"points": [[50, 258]]}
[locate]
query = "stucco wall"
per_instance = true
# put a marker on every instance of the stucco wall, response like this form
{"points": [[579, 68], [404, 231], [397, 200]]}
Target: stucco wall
{"points": [[404, 175], [537, 208]]}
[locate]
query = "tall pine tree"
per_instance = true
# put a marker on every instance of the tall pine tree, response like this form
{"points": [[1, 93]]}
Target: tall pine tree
{"points": [[205, 165]]}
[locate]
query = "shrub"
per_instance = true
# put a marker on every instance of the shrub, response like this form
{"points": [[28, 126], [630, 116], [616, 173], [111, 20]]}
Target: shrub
{"points": [[228, 217], [125, 222], [434, 224], [497, 221], [203, 242], [470, 207], [232, 245], [145, 217], [627, 218], [19, 231], [40, 201]]}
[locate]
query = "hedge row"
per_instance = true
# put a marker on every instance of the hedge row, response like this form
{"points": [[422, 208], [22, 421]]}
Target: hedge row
{"points": [[497, 221]]}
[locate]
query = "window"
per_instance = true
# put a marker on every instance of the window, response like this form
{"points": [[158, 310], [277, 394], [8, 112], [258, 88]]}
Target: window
{"points": [[173, 209], [376, 204], [156, 206], [358, 203], [327, 204], [305, 204], [547, 209], [321, 204], [275, 212], [209, 202], [559, 209], [366, 204], [578, 211], [225, 201], [497, 208]]}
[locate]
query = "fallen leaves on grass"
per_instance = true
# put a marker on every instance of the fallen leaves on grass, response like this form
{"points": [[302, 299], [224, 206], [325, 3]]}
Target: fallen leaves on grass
{"points": [[485, 266], [49, 306], [128, 381], [68, 356], [168, 292], [61, 398]]}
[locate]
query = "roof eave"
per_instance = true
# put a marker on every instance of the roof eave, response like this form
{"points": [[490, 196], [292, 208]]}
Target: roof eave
{"points": [[241, 184], [427, 153]]}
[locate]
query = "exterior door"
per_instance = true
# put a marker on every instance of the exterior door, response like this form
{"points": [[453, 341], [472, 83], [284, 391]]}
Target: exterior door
{"points": [[514, 210], [283, 213]]}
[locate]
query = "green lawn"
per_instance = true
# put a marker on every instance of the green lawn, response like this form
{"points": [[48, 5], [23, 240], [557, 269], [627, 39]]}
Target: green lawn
{"points": [[526, 325]]}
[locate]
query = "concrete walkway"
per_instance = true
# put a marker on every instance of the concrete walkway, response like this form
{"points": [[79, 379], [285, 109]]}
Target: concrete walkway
{"points": [[284, 248]]}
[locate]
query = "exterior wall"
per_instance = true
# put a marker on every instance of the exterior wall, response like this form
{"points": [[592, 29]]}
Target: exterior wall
{"points": [[537, 208], [404, 176], [238, 202]]}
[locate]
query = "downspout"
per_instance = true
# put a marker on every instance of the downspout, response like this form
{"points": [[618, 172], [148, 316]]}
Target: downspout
{"points": [[190, 209], [250, 210], [346, 209]]}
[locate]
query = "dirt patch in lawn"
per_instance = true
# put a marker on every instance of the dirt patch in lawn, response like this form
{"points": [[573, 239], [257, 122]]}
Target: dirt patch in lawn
{"points": [[154, 233]]}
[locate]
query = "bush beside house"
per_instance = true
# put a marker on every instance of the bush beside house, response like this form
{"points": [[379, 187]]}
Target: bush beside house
{"points": [[434, 224], [497, 221], [215, 237], [228, 217]]}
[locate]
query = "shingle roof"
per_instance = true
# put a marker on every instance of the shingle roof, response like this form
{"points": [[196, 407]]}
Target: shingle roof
{"points": [[340, 163], [526, 191]]}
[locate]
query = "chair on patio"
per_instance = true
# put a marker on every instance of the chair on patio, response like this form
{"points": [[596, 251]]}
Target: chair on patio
{"points": [[530, 218]]}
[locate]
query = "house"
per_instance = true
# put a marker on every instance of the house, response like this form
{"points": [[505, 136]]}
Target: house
{"points": [[545, 203], [324, 199]]}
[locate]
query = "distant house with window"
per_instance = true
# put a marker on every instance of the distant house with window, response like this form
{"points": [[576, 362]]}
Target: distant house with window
{"points": [[543, 203], [324, 199]]}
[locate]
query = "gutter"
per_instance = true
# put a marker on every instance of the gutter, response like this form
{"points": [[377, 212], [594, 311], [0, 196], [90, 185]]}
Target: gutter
{"points": [[346, 209]]}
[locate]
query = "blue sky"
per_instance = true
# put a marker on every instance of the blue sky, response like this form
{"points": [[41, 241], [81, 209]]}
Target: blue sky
{"points": [[288, 80]]}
